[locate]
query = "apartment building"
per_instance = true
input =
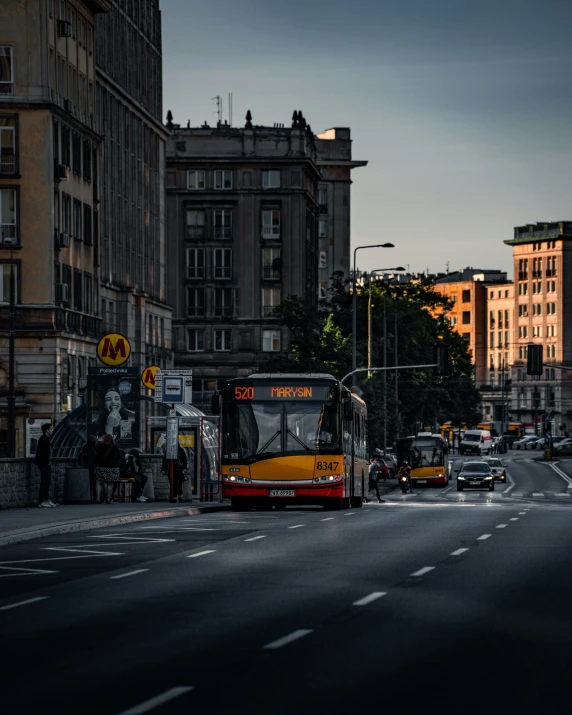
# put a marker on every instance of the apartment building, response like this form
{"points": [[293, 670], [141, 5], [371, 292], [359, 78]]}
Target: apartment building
{"points": [[50, 146], [334, 149], [542, 255], [133, 252], [242, 224], [467, 290]]}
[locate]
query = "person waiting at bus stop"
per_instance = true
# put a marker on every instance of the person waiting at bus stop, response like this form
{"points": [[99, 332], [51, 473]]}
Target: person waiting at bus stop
{"points": [[179, 467], [373, 478]]}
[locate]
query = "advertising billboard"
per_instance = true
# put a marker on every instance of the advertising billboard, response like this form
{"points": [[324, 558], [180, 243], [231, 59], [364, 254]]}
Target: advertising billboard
{"points": [[113, 406]]}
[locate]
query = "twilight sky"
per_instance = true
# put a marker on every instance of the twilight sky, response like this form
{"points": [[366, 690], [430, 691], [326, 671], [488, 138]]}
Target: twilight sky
{"points": [[463, 108]]}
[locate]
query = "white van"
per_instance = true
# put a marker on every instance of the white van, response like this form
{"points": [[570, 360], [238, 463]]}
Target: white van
{"points": [[476, 441]]}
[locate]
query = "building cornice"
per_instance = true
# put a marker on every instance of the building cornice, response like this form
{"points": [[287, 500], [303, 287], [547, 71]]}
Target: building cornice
{"points": [[98, 6], [346, 163]]}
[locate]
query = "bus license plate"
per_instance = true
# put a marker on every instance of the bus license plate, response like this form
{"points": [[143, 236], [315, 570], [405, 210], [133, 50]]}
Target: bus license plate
{"points": [[420, 481], [282, 493]]}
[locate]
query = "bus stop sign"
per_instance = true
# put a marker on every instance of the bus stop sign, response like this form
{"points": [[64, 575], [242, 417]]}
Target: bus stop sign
{"points": [[174, 387]]}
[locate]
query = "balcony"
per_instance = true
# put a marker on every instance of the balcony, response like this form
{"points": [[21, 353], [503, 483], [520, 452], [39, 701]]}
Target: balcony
{"points": [[7, 162], [53, 320], [195, 232]]}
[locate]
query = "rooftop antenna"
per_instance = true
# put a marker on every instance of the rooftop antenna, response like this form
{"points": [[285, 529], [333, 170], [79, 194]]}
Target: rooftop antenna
{"points": [[218, 100], [230, 108], [447, 265]]}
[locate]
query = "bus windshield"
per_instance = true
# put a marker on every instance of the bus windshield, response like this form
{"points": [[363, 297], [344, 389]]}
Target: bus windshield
{"points": [[421, 452], [263, 429]]}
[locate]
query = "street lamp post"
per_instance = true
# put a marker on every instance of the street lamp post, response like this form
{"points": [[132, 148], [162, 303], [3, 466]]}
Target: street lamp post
{"points": [[354, 300], [369, 310], [11, 369]]}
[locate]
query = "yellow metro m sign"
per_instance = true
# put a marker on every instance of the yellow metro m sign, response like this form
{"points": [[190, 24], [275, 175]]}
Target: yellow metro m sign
{"points": [[148, 376], [113, 349]]}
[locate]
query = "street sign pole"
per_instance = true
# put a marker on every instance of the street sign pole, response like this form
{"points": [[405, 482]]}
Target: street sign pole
{"points": [[172, 447]]}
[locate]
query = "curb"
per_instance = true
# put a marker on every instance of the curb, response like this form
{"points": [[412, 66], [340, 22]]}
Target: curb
{"points": [[87, 525]]}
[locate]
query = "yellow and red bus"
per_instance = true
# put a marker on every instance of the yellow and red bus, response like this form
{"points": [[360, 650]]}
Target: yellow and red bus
{"points": [[289, 439], [427, 457]]}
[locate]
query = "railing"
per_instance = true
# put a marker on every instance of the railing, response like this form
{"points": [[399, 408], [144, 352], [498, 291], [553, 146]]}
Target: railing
{"points": [[56, 319], [6, 88], [222, 232], [8, 164], [272, 232], [195, 232]]}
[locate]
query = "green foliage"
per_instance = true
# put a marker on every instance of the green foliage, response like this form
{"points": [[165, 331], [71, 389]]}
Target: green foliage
{"points": [[321, 341]]}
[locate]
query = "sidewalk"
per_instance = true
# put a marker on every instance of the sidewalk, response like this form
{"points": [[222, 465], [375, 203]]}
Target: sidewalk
{"points": [[24, 524]]}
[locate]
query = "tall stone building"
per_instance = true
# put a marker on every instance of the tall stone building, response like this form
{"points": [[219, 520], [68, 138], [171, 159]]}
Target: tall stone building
{"points": [[129, 101], [50, 146], [334, 148], [542, 255], [242, 217]]}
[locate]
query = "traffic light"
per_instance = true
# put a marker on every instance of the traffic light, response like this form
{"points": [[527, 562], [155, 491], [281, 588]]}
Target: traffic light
{"points": [[441, 360], [534, 360]]}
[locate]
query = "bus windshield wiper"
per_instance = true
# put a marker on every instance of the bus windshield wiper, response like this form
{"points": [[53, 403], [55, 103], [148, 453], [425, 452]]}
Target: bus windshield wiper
{"points": [[261, 450], [310, 451]]}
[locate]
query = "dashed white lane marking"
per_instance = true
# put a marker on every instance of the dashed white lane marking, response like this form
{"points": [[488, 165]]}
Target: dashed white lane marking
{"points": [[512, 484], [561, 474], [447, 490], [255, 538], [23, 603], [501, 526], [458, 552], [350, 513], [368, 599], [330, 518], [290, 638], [297, 526], [125, 575], [423, 571], [522, 513], [538, 495], [514, 518], [153, 703], [484, 536], [201, 553]]}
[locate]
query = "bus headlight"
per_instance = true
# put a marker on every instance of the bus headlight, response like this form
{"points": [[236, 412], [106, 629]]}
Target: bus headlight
{"points": [[328, 478], [236, 478]]}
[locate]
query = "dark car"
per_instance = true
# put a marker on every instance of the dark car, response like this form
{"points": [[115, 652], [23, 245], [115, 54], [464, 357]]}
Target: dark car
{"points": [[383, 471], [475, 475], [497, 468]]}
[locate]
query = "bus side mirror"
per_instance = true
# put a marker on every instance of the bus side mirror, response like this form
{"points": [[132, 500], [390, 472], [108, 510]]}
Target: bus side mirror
{"points": [[348, 410], [216, 403]]}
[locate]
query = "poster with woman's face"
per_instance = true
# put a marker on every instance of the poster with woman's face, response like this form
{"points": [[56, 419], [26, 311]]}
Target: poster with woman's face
{"points": [[114, 406]]}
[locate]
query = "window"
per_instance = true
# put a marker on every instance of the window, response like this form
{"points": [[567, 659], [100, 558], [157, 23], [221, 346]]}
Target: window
{"points": [[222, 340], [5, 281], [551, 308], [523, 288], [7, 145], [323, 290], [323, 259], [523, 311], [195, 340], [271, 179], [87, 230], [537, 331], [506, 338], [454, 320], [323, 228], [87, 161], [223, 302], [466, 317], [66, 154], [491, 340], [523, 331], [551, 331], [195, 302], [537, 309], [77, 290], [8, 215], [271, 223], [76, 153], [506, 325], [492, 319], [500, 318], [223, 263], [492, 295], [6, 71], [223, 223], [66, 213], [196, 180], [77, 232], [271, 341], [271, 263], [195, 223], [87, 293], [270, 299], [551, 286], [323, 199], [491, 362], [499, 340], [223, 179], [466, 336], [466, 296], [195, 263]]}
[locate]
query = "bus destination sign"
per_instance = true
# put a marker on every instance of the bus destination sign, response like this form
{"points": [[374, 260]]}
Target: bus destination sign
{"points": [[280, 392]]}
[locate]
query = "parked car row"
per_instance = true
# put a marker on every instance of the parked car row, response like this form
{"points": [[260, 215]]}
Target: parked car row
{"points": [[533, 441]]}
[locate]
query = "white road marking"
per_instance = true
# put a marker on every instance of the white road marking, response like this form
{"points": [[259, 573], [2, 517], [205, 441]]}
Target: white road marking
{"points": [[538, 495], [153, 703], [446, 490], [349, 513], [139, 539], [514, 518], [201, 553], [330, 518], [512, 484], [165, 530], [255, 538], [290, 638], [23, 603], [501, 526], [561, 474], [423, 571], [458, 552], [484, 536], [522, 513], [297, 526], [368, 599], [125, 575], [24, 572]]}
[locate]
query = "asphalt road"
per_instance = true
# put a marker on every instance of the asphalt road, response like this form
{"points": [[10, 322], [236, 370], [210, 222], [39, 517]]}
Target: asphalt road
{"points": [[430, 600]]}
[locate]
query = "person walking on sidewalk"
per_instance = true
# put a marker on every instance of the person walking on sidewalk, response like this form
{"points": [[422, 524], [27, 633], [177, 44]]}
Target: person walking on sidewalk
{"points": [[43, 461], [373, 478], [179, 467], [106, 469]]}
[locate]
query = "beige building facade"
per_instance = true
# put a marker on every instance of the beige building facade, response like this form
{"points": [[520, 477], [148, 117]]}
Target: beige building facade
{"points": [[50, 145]]}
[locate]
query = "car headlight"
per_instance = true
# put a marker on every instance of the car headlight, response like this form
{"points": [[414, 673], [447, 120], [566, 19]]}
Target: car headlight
{"points": [[489, 477], [464, 479], [328, 478]]}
